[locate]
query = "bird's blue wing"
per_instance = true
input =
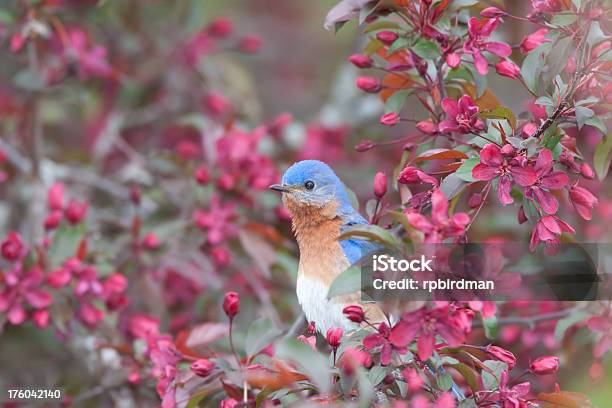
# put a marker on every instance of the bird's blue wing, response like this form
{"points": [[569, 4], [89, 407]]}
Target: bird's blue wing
{"points": [[354, 249]]}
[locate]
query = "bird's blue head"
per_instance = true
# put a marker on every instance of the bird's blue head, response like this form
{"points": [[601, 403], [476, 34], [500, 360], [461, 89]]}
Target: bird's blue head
{"points": [[313, 183]]}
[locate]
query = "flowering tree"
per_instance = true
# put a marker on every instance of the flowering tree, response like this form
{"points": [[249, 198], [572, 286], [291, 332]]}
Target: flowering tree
{"points": [[134, 169]]}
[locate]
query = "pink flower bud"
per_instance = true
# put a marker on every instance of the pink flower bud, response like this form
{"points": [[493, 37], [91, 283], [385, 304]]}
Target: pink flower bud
{"points": [[59, 278], [492, 12], [311, 328], [389, 119], [353, 358], [453, 59], [150, 241], [41, 318], [387, 37], [53, 220], [12, 247], [544, 365], [202, 367], [334, 336], [364, 146], [529, 129], [228, 403], [216, 104], [534, 40], [368, 84], [55, 197], [135, 194], [587, 171], [361, 61], [380, 185], [583, 200], [231, 304], [311, 341], [201, 175], [475, 200], [521, 217], [17, 42], [427, 127], [221, 256], [220, 27], [250, 44], [508, 150], [355, 313], [75, 211], [508, 69], [502, 355]]}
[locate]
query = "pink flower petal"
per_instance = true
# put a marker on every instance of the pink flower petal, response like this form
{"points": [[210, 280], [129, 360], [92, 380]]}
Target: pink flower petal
{"points": [[403, 333], [491, 155], [484, 172], [420, 222], [547, 201], [481, 63], [449, 106], [555, 180], [503, 190], [425, 345], [439, 207], [524, 176], [499, 48]]}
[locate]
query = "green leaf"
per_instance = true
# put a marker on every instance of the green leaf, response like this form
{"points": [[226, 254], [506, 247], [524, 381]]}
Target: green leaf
{"points": [[544, 101], [597, 123], [377, 374], [556, 60], [491, 380], [310, 362], [445, 381], [467, 403], [381, 25], [469, 375], [348, 281], [551, 137], [373, 46], [575, 316], [582, 115], [532, 66], [595, 35], [426, 49], [490, 327], [370, 232], [261, 333], [366, 11], [6, 17], [452, 185], [465, 171], [530, 210], [395, 103], [602, 157], [65, 243], [563, 20], [500, 112], [397, 45]]}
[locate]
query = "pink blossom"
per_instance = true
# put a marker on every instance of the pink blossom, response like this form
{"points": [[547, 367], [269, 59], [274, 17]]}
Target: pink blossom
{"points": [[387, 37], [546, 6], [216, 104], [150, 241], [513, 396], [547, 180], [250, 44], [368, 84], [75, 211], [361, 61], [547, 230], [583, 201], [508, 69], [380, 185], [334, 336], [389, 119], [502, 354], [491, 12], [53, 219], [461, 116], [479, 31], [91, 58], [353, 358], [21, 290], [544, 365], [12, 247], [311, 341], [440, 226], [426, 324], [218, 221], [534, 40], [55, 197], [220, 27], [453, 59], [228, 403], [493, 164], [427, 127], [201, 175], [381, 339], [414, 175]]}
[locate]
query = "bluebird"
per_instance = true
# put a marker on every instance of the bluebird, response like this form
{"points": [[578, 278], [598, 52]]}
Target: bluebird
{"points": [[320, 211]]}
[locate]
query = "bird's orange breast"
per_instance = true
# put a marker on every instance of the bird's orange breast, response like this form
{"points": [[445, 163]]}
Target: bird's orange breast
{"points": [[317, 230]]}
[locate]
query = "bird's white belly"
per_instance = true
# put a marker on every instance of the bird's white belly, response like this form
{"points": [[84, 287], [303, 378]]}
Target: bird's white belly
{"points": [[326, 314]]}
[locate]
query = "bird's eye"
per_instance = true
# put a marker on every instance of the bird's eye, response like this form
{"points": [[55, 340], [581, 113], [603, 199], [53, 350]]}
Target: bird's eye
{"points": [[309, 184]]}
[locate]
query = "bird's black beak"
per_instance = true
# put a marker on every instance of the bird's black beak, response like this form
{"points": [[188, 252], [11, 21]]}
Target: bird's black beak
{"points": [[279, 187]]}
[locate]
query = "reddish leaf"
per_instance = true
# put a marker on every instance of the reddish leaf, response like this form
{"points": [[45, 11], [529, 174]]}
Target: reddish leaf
{"points": [[438, 154], [564, 399]]}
